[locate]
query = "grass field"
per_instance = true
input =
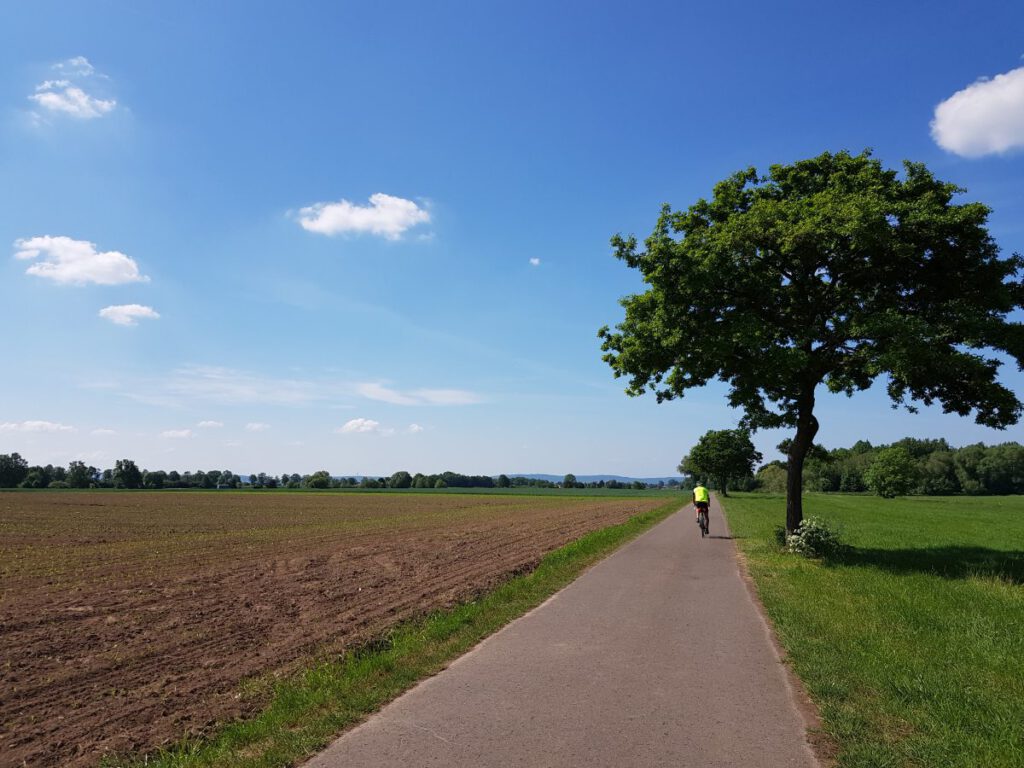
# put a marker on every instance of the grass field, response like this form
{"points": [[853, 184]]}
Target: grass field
{"points": [[128, 619], [913, 643]]}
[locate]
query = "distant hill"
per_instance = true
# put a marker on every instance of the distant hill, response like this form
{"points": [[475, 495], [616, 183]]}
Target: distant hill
{"points": [[599, 478]]}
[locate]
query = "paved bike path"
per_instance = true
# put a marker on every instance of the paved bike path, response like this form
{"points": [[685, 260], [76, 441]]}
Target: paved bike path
{"points": [[656, 656]]}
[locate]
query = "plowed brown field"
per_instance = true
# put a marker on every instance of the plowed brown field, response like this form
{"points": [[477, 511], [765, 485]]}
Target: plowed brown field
{"points": [[129, 619]]}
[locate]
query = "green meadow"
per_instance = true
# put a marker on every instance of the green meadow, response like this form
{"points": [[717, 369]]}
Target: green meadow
{"points": [[911, 643]]}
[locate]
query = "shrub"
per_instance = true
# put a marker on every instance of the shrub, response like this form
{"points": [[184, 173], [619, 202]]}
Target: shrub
{"points": [[814, 538], [892, 473], [772, 478]]}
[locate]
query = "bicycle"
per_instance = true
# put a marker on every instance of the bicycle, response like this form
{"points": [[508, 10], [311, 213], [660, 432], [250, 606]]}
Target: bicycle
{"points": [[702, 521]]}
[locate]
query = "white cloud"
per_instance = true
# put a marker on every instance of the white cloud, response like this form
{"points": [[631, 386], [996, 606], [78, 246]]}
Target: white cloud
{"points": [[447, 396], [986, 117], [377, 391], [66, 94], [103, 432], [72, 101], [257, 426], [226, 385], [384, 394], [78, 66], [386, 215], [48, 85], [415, 429], [176, 434], [128, 314], [535, 262], [34, 426], [76, 262], [368, 426], [193, 384], [358, 426], [210, 424]]}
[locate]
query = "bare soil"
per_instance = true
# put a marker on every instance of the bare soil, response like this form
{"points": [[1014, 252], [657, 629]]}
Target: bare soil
{"points": [[129, 619]]}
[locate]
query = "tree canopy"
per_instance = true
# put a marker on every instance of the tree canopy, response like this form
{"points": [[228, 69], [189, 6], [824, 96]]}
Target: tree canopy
{"points": [[938, 468], [127, 474], [722, 455], [831, 271], [13, 469], [892, 473], [320, 479], [400, 479]]}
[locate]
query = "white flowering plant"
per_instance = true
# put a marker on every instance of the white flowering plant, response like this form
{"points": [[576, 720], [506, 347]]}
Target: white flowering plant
{"points": [[815, 538]]}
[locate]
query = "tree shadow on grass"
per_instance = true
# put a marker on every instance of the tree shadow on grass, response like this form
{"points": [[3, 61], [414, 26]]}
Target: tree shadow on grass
{"points": [[948, 562]]}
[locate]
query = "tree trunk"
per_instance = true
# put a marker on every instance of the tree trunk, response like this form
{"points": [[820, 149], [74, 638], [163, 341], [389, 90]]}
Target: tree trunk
{"points": [[723, 483], [806, 429]]}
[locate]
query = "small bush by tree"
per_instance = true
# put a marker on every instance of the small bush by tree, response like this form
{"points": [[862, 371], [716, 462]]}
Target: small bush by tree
{"points": [[814, 538]]}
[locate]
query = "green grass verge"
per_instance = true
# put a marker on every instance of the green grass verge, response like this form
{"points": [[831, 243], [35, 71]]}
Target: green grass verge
{"points": [[309, 709], [912, 644]]}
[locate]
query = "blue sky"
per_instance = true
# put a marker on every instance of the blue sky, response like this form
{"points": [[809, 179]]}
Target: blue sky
{"points": [[372, 237]]}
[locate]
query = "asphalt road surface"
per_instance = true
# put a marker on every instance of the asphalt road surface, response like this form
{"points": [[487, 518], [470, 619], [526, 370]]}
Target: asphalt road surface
{"points": [[656, 656]]}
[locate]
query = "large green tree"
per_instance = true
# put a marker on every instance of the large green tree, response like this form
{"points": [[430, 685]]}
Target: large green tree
{"points": [[320, 479], [127, 474], [722, 455], [79, 475], [13, 470], [831, 271], [892, 472], [400, 480]]}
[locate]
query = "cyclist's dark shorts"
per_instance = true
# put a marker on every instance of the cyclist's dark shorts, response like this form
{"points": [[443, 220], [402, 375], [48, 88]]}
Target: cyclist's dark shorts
{"points": [[701, 505]]}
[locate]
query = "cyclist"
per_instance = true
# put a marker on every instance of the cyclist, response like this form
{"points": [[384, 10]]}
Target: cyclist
{"points": [[701, 500]]}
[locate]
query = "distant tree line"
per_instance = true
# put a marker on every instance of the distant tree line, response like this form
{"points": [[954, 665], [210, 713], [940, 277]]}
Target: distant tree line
{"points": [[908, 466], [15, 472], [403, 479]]}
